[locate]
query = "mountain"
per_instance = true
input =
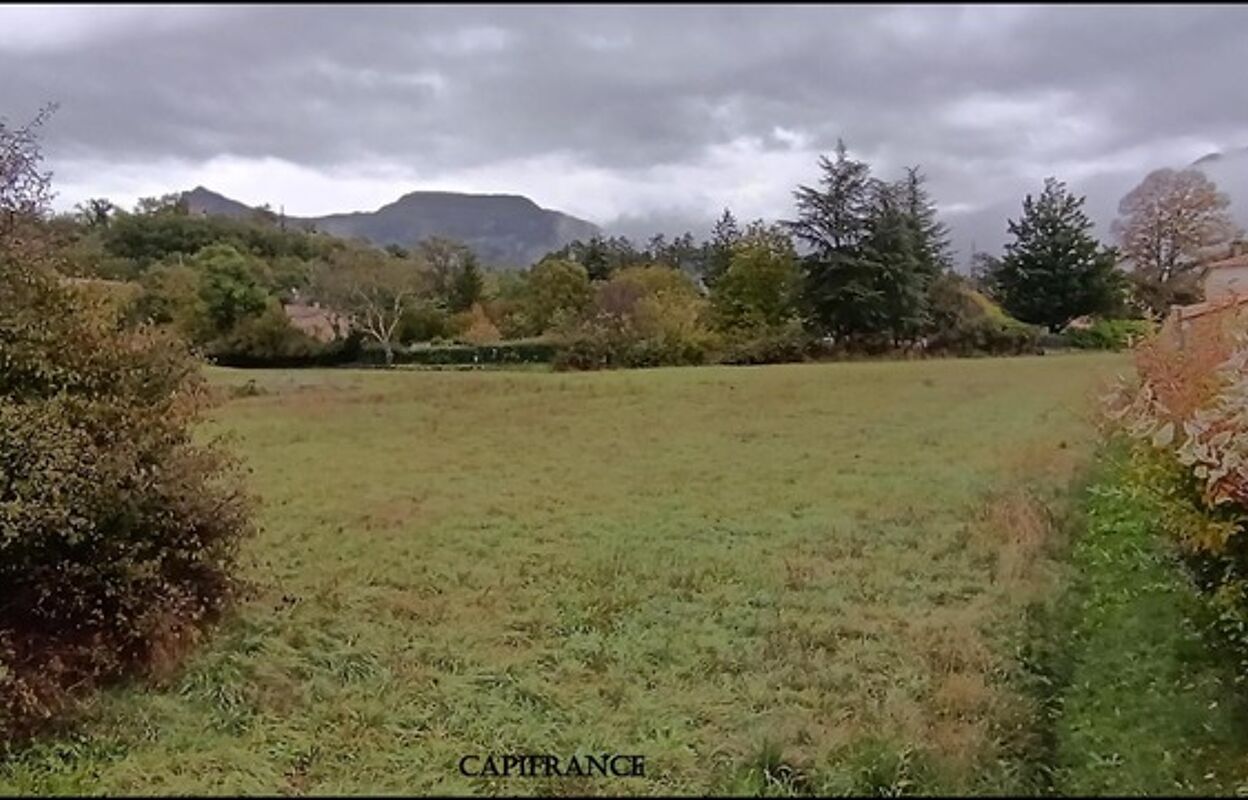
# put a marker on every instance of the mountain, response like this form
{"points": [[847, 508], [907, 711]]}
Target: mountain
{"points": [[505, 231], [204, 201], [1229, 170]]}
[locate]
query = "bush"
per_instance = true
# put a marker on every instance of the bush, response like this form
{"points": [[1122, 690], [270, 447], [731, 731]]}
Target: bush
{"points": [[520, 352], [966, 322], [1109, 334], [424, 322], [603, 345], [266, 338], [642, 317], [118, 533], [1187, 417], [768, 345], [474, 326], [986, 335], [1053, 341]]}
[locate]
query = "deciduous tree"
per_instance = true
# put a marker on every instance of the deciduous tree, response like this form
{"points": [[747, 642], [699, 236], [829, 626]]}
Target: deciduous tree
{"points": [[372, 289], [1165, 225], [759, 288]]}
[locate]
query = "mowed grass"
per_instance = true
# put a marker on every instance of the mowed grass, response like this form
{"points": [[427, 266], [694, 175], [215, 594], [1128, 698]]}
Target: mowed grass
{"points": [[760, 579]]}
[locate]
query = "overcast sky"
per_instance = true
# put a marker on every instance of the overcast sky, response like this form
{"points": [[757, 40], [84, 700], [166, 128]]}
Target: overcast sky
{"points": [[636, 118]]}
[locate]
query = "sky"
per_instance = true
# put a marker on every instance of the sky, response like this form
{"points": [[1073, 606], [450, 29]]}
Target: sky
{"points": [[640, 119]]}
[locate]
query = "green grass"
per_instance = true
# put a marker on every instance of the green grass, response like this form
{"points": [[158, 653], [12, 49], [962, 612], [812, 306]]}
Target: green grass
{"points": [[766, 579], [1151, 705]]}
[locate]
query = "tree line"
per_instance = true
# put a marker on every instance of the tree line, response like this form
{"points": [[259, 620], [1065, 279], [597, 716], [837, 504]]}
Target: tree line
{"points": [[864, 265]]}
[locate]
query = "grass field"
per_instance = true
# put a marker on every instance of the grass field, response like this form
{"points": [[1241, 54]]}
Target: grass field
{"points": [[1149, 704], [780, 578]]}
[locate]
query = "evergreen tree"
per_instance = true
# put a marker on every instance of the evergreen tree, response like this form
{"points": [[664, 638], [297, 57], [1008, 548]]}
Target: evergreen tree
{"points": [[1055, 270], [468, 286], [931, 235], [899, 266], [595, 258], [865, 274], [833, 218], [724, 238]]}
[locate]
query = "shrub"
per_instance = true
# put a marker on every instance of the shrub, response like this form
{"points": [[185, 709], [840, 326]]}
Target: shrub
{"points": [[965, 322], [1109, 334], [118, 532], [1053, 341], [474, 326], [518, 352], [266, 337], [642, 317], [422, 323], [1187, 416], [986, 335], [778, 344]]}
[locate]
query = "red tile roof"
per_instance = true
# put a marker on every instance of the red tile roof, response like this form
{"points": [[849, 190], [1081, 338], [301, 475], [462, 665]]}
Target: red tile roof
{"points": [[1200, 309], [1240, 260]]}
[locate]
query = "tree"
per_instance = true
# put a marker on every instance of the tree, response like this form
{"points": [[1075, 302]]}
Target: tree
{"points": [[556, 290], [895, 271], [682, 253], [96, 212], [171, 296], [444, 259], [834, 216], [931, 236], [25, 189], [467, 286], [1055, 270], [372, 289], [641, 316], [865, 275], [724, 238], [230, 285], [173, 203], [601, 256], [1166, 225], [474, 326], [759, 289]]}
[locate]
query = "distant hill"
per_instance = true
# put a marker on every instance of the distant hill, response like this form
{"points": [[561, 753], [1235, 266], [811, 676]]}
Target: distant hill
{"points": [[1229, 170], [505, 231]]}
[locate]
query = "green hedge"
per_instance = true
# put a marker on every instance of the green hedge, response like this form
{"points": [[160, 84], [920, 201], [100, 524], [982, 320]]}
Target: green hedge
{"points": [[521, 352], [352, 351], [986, 336], [1109, 334]]}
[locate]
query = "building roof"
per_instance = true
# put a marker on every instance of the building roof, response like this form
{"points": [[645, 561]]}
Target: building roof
{"points": [[319, 323], [1235, 302], [1236, 261]]}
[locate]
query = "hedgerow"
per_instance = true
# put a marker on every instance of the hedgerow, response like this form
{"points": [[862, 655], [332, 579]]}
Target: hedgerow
{"points": [[1187, 417]]}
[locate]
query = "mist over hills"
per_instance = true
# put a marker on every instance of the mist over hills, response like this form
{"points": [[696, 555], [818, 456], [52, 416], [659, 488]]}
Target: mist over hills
{"points": [[510, 231]]}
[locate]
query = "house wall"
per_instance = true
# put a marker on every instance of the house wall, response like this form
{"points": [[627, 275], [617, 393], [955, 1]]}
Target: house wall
{"points": [[1225, 282]]}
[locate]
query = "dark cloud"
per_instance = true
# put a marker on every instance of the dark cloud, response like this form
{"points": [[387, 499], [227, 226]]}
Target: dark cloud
{"points": [[677, 109]]}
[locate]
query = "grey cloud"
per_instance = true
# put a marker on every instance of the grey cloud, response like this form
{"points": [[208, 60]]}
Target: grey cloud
{"points": [[624, 89]]}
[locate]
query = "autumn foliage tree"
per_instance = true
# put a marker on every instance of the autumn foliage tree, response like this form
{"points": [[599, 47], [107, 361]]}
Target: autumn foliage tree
{"points": [[1165, 227]]}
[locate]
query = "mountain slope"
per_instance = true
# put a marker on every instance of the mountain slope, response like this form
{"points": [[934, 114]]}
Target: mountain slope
{"points": [[504, 231], [205, 201], [1229, 170]]}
